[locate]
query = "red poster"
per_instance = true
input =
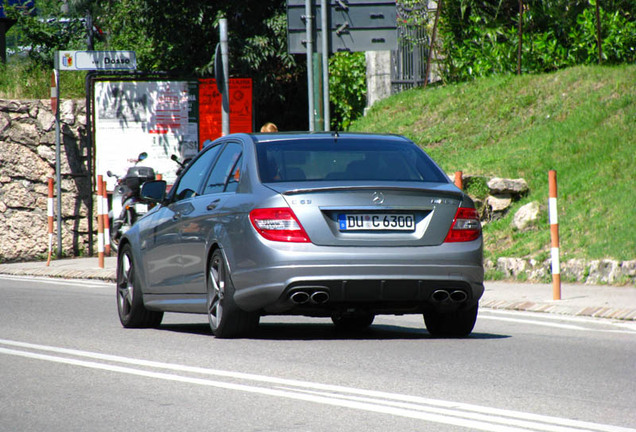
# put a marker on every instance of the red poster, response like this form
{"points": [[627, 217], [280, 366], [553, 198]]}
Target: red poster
{"points": [[210, 123]]}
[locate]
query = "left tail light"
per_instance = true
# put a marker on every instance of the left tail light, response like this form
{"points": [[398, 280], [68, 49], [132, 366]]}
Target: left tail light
{"points": [[278, 224], [465, 227]]}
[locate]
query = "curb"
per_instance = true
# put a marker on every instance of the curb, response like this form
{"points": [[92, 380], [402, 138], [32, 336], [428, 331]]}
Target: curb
{"points": [[94, 274], [557, 309]]}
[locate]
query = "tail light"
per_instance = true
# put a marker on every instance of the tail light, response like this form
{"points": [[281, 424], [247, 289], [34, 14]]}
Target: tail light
{"points": [[278, 224], [465, 227]]}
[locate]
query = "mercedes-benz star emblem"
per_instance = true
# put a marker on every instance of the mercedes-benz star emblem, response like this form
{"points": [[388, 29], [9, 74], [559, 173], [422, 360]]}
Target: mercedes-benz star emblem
{"points": [[377, 198]]}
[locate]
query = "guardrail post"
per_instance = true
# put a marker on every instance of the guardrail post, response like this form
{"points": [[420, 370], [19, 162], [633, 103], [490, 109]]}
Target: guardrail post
{"points": [[100, 221], [554, 235], [459, 179], [106, 220], [50, 205]]}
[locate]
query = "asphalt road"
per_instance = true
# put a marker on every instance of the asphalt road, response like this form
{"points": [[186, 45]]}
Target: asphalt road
{"points": [[66, 364]]}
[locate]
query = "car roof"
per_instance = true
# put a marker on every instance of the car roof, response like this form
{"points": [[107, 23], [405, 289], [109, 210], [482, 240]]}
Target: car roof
{"points": [[284, 136]]}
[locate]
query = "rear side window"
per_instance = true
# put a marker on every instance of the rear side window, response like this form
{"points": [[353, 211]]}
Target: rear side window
{"points": [[345, 159], [225, 172]]}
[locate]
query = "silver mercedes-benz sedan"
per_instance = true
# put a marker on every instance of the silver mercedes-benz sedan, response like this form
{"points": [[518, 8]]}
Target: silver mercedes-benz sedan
{"points": [[337, 225]]}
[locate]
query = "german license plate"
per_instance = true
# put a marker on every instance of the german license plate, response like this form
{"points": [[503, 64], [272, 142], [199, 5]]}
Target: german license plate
{"points": [[376, 222]]}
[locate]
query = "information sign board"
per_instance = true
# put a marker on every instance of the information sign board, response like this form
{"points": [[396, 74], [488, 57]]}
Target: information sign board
{"points": [[156, 117], [96, 60], [354, 25], [241, 119]]}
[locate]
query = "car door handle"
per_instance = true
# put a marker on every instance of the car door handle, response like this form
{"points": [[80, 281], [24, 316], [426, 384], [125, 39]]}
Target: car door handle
{"points": [[213, 204]]}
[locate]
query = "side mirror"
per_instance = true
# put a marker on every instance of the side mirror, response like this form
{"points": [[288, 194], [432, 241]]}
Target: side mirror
{"points": [[142, 156], [154, 191]]}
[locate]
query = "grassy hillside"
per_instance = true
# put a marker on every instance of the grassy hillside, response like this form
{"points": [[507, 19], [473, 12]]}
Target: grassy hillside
{"points": [[580, 122]]}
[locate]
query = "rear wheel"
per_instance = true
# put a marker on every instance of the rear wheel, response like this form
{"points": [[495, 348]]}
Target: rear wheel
{"points": [[130, 304], [353, 321], [227, 320], [457, 323]]}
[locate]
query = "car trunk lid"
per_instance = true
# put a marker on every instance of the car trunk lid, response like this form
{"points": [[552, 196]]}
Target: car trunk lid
{"points": [[410, 214]]}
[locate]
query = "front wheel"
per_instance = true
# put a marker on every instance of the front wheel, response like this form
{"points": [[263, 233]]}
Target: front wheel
{"points": [[227, 320], [457, 323], [130, 304]]}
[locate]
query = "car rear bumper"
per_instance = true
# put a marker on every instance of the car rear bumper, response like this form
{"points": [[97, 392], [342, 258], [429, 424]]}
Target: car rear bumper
{"points": [[394, 280]]}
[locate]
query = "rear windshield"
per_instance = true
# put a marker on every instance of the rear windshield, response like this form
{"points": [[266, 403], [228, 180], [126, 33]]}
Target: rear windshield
{"points": [[326, 160]]}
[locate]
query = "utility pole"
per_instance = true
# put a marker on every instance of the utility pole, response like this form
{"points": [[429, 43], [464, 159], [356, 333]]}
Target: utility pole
{"points": [[225, 117], [324, 10], [309, 26]]}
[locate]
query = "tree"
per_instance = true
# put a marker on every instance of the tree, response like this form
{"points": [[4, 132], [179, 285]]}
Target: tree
{"points": [[180, 36]]}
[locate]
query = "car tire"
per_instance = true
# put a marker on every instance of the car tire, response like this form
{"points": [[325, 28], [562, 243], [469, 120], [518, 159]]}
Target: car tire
{"points": [[457, 323], [226, 319], [130, 304], [348, 322]]}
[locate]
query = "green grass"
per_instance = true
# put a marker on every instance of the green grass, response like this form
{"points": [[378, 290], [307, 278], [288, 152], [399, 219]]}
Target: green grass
{"points": [[20, 80], [580, 122]]}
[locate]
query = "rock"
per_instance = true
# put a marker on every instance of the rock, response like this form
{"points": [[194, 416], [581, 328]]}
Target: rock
{"points": [[512, 267], [628, 268], [526, 216], [499, 203], [67, 112], [46, 120], [574, 270], [23, 133], [499, 186], [603, 271]]}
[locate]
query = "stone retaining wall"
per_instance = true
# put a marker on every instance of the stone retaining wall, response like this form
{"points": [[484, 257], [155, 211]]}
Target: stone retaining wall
{"points": [[592, 272], [27, 160]]}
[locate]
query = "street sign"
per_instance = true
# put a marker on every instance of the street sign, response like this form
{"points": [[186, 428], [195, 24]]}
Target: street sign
{"points": [[354, 25], [96, 60]]}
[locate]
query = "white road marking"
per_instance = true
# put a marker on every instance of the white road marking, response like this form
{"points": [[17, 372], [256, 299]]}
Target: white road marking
{"points": [[473, 417], [550, 320], [84, 283]]}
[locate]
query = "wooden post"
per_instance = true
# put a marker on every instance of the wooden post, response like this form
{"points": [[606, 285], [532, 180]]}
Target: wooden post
{"points": [[554, 236]]}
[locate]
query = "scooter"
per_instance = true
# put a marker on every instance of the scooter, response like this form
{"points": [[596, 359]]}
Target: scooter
{"points": [[127, 204]]}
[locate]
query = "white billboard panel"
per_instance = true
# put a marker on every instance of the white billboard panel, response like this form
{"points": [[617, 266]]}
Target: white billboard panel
{"points": [[156, 117]]}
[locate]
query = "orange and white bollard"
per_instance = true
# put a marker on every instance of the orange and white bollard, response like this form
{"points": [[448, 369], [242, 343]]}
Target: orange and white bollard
{"points": [[100, 222], [554, 236], [106, 219], [459, 179], [49, 214]]}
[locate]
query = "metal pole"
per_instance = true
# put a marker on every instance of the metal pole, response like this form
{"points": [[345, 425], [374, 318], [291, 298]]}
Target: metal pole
{"points": [[225, 116], [89, 152], [324, 9], [318, 88], [58, 160], [310, 62]]}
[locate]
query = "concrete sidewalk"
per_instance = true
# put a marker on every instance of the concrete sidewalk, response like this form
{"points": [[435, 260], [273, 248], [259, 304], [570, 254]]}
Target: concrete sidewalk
{"points": [[600, 301]]}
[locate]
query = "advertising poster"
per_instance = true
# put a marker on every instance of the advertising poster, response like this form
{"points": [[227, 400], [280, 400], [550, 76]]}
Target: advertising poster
{"points": [[156, 117], [210, 109]]}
